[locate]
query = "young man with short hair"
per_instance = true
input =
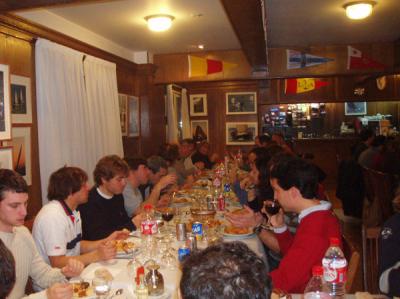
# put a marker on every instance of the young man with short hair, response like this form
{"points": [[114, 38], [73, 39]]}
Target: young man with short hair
{"points": [[225, 270], [57, 229], [17, 238], [104, 212]]}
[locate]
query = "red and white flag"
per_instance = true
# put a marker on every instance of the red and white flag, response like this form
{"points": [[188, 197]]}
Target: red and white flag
{"points": [[357, 60]]}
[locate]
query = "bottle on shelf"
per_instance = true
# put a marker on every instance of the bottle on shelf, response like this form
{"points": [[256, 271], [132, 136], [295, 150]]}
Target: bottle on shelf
{"points": [[335, 269], [316, 287]]}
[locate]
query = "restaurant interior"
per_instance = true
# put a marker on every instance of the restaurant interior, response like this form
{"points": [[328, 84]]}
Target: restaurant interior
{"points": [[307, 70]]}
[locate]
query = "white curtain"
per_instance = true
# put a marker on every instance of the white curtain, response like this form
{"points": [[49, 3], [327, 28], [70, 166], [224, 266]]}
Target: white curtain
{"points": [[102, 103], [70, 120], [172, 135], [186, 133]]}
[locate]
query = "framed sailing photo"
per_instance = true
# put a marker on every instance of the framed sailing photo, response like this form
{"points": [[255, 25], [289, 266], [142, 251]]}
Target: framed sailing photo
{"points": [[5, 111]]}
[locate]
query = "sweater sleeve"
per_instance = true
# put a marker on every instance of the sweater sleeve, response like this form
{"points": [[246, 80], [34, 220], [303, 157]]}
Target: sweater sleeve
{"points": [[42, 274], [38, 295], [295, 268]]}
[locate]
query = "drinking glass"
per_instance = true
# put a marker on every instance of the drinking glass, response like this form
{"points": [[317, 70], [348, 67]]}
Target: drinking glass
{"points": [[272, 209], [168, 259], [101, 287]]}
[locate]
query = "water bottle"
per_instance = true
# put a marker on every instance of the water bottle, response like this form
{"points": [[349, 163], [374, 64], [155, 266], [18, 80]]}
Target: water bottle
{"points": [[148, 228], [335, 269], [316, 287]]}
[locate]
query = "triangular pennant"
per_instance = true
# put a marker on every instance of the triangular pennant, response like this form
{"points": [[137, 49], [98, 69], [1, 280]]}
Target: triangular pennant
{"points": [[297, 59], [200, 67], [300, 85], [357, 60], [214, 66]]}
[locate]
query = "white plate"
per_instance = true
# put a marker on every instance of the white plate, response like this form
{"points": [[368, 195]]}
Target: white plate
{"points": [[239, 236]]}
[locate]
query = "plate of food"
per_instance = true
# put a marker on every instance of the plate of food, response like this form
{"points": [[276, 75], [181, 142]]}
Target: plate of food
{"points": [[181, 201], [237, 232], [82, 289], [124, 248]]}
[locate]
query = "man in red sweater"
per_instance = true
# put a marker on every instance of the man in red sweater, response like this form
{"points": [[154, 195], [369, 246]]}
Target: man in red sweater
{"points": [[295, 185]]}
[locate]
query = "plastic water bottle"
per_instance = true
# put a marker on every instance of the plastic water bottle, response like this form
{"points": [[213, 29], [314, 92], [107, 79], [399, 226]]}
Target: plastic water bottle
{"points": [[335, 269], [316, 287], [148, 228]]}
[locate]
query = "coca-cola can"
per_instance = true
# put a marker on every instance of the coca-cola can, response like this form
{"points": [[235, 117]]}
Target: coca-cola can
{"points": [[191, 242], [181, 231], [221, 203]]}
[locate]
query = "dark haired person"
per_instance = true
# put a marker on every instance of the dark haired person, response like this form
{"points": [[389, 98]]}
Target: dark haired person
{"points": [[226, 270], [139, 175], [295, 185], [7, 271], [366, 138], [263, 140], [57, 229], [104, 212], [201, 158], [17, 238]]}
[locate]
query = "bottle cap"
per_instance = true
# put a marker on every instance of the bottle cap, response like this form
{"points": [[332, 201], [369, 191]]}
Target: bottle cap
{"points": [[334, 241], [317, 271], [148, 206]]}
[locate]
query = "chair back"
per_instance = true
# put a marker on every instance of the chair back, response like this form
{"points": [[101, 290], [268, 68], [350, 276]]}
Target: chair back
{"points": [[353, 258], [379, 193], [370, 245]]}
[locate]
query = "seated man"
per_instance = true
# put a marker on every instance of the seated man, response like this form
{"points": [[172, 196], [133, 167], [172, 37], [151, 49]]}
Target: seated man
{"points": [[295, 184], [7, 280], [57, 229], [201, 158], [226, 270], [139, 174], [104, 212], [17, 238]]}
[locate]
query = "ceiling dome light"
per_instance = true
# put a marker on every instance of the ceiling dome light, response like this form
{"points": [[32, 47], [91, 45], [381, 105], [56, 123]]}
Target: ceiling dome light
{"points": [[159, 22], [359, 9]]}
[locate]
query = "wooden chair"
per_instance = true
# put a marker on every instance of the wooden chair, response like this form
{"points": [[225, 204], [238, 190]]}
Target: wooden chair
{"points": [[354, 265], [370, 245]]}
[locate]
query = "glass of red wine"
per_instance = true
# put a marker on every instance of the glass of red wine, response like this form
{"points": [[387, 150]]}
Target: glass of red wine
{"points": [[167, 214], [272, 208]]}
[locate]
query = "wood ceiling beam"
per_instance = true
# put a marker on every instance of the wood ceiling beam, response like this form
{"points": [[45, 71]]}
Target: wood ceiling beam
{"points": [[15, 5], [247, 22]]}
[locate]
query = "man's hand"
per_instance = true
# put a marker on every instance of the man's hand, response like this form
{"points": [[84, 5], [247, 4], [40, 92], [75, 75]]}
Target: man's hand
{"points": [[163, 201], [249, 219], [106, 251], [169, 179], [118, 235], [73, 268], [60, 291], [137, 220]]}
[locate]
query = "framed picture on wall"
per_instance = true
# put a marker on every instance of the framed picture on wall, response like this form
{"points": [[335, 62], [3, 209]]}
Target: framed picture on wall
{"points": [[133, 120], [5, 111], [21, 152], [241, 133], [21, 100], [241, 103], [198, 105], [6, 157], [199, 129], [123, 113], [355, 108]]}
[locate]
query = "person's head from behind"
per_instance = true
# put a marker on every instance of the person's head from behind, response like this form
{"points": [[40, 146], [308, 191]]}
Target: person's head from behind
{"points": [[262, 140], [7, 271], [225, 270], [379, 141], [138, 171], [13, 200], [110, 174], [66, 182], [367, 135], [293, 180], [170, 154], [186, 147], [158, 168]]}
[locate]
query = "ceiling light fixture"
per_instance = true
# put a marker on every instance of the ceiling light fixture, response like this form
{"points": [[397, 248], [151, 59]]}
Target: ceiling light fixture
{"points": [[159, 22], [358, 10], [201, 47]]}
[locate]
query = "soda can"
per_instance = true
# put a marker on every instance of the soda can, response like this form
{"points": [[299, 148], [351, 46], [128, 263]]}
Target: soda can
{"points": [[227, 187], [181, 231], [183, 251], [191, 242], [197, 230], [221, 203], [210, 203]]}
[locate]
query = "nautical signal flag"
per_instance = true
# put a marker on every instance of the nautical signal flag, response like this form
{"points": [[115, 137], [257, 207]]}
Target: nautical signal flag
{"points": [[199, 67], [300, 85], [298, 60], [357, 60]]}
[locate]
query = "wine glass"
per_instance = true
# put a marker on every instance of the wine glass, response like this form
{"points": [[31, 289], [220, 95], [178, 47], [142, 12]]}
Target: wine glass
{"points": [[101, 287], [272, 209], [168, 259]]}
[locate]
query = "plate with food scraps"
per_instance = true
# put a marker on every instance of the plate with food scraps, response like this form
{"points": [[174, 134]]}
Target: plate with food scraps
{"points": [[124, 248], [238, 232], [82, 289]]}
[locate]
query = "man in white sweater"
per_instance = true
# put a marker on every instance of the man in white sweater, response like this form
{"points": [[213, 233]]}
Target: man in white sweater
{"points": [[18, 239]]}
